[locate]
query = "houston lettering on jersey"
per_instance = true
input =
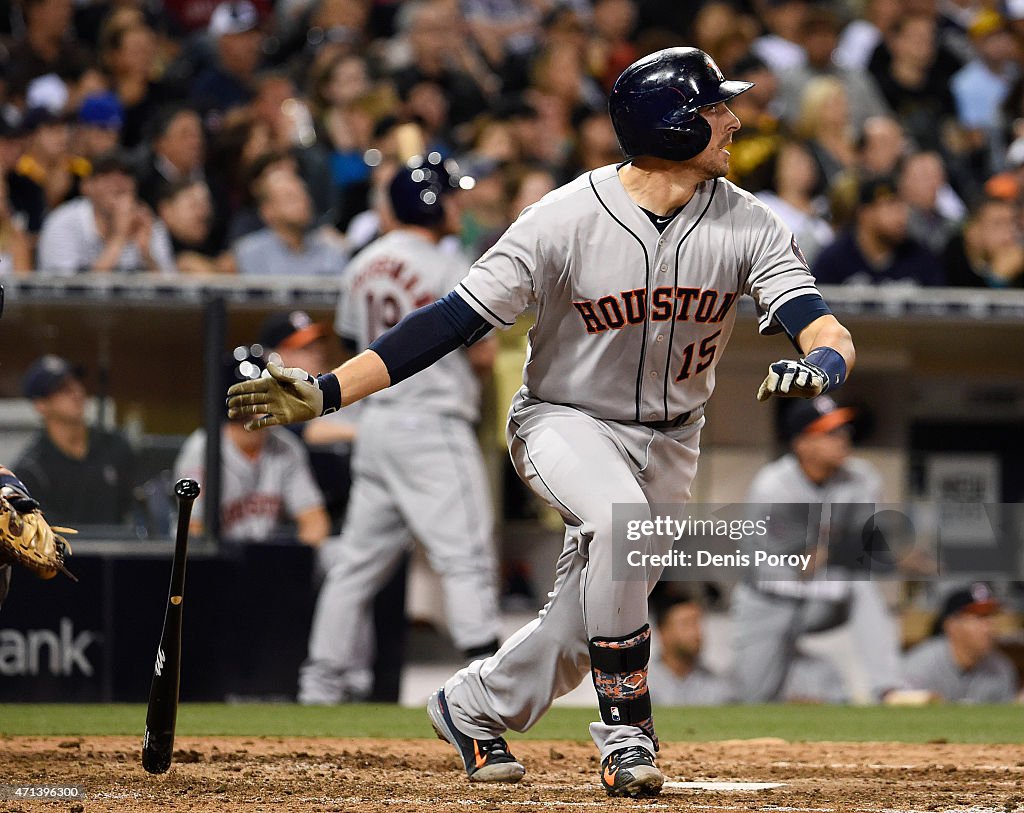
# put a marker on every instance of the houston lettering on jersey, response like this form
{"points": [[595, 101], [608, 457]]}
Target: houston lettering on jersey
{"points": [[615, 311], [264, 506]]}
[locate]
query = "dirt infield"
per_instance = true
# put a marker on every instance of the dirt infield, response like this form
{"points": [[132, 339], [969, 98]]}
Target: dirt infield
{"points": [[290, 774]]}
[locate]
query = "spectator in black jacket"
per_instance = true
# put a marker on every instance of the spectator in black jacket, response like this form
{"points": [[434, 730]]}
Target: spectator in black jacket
{"points": [[876, 250], [83, 475]]}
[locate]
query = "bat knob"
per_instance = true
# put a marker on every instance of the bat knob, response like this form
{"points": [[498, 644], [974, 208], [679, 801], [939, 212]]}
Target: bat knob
{"points": [[186, 488]]}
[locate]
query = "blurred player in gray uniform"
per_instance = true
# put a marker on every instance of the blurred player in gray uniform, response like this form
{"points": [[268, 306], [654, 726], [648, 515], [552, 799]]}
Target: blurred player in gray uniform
{"points": [[771, 614], [634, 271], [960, 663], [417, 471]]}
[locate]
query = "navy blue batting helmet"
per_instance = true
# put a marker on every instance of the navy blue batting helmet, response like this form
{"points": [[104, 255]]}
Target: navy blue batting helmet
{"points": [[418, 188], [654, 104]]}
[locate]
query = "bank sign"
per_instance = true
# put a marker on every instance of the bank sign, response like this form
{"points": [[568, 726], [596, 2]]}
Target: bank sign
{"points": [[95, 641], [53, 640], [57, 652]]}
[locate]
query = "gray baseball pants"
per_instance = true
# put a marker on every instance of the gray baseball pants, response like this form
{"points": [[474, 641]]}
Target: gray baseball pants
{"points": [[767, 628], [580, 466]]}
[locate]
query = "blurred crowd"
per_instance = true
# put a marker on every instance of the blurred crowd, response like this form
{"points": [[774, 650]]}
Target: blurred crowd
{"points": [[253, 137]]}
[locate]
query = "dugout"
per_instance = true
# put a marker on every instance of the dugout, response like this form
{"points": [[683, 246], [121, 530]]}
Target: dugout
{"points": [[936, 370]]}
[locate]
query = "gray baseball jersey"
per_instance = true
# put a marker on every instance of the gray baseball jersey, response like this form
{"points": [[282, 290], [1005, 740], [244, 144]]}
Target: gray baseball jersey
{"points": [[632, 322], [256, 493], [389, 279], [930, 665], [783, 483]]}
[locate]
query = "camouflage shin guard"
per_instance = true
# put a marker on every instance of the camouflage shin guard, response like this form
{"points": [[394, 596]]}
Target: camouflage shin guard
{"points": [[619, 669]]}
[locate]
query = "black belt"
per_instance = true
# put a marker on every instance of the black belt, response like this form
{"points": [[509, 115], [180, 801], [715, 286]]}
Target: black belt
{"points": [[672, 423]]}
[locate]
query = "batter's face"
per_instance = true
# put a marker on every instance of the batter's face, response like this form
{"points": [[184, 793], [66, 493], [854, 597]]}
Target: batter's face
{"points": [[713, 162]]}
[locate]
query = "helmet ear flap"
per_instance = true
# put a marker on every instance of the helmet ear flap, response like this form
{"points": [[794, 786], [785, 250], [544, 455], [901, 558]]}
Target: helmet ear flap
{"points": [[683, 143]]}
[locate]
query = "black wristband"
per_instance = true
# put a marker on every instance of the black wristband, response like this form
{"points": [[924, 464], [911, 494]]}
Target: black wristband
{"points": [[331, 388]]}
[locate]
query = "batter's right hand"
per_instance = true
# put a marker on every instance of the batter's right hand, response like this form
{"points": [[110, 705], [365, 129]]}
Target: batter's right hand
{"points": [[281, 396]]}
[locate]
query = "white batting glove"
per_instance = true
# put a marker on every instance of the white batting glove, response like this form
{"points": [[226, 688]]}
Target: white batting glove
{"points": [[282, 395], [790, 378]]}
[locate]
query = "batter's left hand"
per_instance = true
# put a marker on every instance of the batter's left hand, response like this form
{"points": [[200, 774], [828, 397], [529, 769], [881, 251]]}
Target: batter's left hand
{"points": [[793, 379], [281, 396]]}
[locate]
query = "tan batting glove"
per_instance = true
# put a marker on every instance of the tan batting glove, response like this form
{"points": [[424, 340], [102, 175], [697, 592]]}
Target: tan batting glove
{"points": [[281, 396]]}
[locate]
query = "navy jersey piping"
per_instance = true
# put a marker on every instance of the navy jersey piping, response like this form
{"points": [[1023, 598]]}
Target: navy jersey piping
{"points": [[675, 300], [647, 283]]}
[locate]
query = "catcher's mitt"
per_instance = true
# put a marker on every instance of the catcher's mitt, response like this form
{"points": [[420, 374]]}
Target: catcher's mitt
{"points": [[28, 540]]}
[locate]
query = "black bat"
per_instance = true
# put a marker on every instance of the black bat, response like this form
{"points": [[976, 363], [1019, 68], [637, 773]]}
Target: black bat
{"points": [[158, 742]]}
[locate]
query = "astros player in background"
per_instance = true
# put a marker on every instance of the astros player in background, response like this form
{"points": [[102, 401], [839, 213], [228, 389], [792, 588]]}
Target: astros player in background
{"points": [[772, 614], [417, 471], [634, 271]]}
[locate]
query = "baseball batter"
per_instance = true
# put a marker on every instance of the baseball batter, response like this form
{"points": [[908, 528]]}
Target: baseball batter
{"points": [[417, 469], [634, 271]]}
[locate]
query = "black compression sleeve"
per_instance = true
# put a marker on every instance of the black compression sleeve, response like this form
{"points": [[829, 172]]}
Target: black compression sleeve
{"points": [[428, 334], [798, 313]]}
